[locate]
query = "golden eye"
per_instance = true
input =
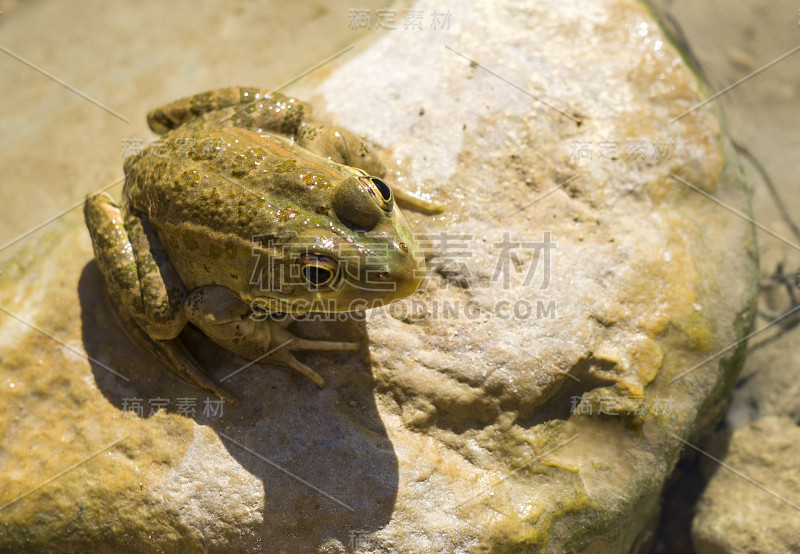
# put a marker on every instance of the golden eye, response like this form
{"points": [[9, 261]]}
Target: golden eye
{"points": [[318, 270], [380, 192]]}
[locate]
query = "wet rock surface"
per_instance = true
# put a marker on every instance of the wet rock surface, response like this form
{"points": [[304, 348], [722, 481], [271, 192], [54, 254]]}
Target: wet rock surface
{"points": [[533, 394]]}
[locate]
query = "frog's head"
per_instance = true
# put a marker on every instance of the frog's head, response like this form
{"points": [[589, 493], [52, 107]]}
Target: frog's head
{"points": [[362, 255]]}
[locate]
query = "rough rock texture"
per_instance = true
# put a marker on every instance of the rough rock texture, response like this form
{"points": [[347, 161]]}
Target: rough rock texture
{"points": [[735, 512], [451, 431], [729, 42], [759, 118]]}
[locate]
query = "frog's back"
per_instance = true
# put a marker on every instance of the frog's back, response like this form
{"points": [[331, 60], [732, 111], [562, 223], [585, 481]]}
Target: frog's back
{"points": [[229, 180]]}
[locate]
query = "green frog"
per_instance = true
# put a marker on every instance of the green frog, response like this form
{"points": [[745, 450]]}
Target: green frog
{"points": [[245, 209]]}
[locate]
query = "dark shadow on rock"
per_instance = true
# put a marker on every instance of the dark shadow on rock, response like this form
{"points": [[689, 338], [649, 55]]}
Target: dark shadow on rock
{"points": [[345, 471], [683, 489], [681, 493], [562, 400]]}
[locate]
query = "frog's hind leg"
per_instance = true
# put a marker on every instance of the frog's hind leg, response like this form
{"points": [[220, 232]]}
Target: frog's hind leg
{"points": [[114, 253], [177, 113], [138, 276], [245, 107], [143, 287]]}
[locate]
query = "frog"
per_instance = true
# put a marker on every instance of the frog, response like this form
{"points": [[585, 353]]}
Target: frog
{"points": [[244, 215]]}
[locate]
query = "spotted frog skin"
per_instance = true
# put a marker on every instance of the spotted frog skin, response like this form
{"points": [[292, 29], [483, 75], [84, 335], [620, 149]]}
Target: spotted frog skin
{"points": [[247, 208]]}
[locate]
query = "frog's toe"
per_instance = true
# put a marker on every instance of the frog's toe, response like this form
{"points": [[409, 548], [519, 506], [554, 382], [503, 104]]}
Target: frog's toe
{"points": [[287, 358], [183, 363], [280, 336], [407, 200], [306, 344]]}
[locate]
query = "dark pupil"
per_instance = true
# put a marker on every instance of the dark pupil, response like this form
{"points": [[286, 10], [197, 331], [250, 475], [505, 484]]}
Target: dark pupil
{"points": [[316, 275], [383, 188]]}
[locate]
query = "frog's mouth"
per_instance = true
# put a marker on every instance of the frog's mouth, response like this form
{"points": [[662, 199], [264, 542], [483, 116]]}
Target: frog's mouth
{"points": [[374, 288]]}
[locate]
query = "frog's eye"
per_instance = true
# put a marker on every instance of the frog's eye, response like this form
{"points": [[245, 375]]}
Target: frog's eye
{"points": [[380, 192], [318, 270]]}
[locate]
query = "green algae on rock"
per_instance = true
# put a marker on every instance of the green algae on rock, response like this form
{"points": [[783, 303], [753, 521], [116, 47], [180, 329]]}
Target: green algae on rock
{"points": [[489, 413]]}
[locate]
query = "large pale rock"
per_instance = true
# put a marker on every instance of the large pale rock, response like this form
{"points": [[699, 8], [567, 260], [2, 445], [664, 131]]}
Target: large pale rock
{"points": [[452, 429], [753, 503]]}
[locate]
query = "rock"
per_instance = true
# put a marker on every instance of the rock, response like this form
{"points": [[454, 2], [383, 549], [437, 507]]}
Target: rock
{"points": [[768, 385], [570, 273], [753, 504]]}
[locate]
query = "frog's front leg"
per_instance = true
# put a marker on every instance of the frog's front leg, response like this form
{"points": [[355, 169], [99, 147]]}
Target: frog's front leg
{"points": [[233, 324], [143, 286]]}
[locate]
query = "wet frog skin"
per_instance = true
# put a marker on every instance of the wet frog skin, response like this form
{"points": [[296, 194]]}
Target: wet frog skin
{"points": [[245, 208]]}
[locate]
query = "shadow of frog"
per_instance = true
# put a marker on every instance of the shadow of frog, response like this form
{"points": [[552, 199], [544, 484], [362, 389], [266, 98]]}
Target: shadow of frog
{"points": [[323, 456]]}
